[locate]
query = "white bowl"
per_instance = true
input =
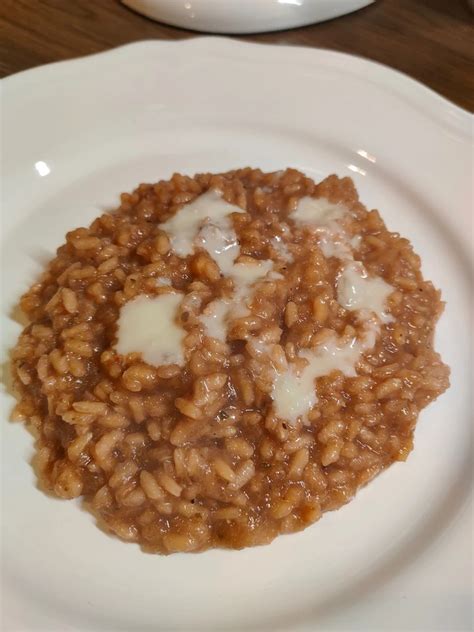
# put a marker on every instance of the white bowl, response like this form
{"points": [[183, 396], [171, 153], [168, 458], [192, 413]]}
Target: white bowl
{"points": [[243, 16]]}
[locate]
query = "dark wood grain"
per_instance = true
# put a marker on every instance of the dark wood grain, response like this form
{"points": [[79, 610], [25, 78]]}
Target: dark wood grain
{"points": [[430, 40]]}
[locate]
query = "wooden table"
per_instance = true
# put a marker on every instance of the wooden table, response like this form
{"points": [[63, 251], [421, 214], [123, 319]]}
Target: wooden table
{"points": [[430, 40]]}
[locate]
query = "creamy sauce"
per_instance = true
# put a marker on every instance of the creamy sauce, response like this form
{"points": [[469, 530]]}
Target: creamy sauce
{"points": [[214, 318], [357, 291], [147, 325], [245, 275], [317, 212], [294, 394], [183, 227], [220, 241], [356, 242], [281, 249], [333, 243], [218, 313], [206, 223], [274, 276], [324, 219], [260, 347]]}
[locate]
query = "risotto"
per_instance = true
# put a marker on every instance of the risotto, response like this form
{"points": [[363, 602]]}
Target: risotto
{"points": [[225, 357]]}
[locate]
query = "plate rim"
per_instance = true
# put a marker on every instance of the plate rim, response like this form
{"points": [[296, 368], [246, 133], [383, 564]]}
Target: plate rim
{"points": [[447, 112]]}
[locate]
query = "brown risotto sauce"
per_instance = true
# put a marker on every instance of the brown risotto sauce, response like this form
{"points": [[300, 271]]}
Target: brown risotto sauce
{"points": [[283, 351]]}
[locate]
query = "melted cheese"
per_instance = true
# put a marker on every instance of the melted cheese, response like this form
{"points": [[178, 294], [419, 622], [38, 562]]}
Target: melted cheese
{"points": [[246, 274], [206, 223], [357, 291], [183, 227], [355, 242], [281, 249], [317, 212], [294, 394], [220, 241], [147, 325], [214, 319], [334, 243], [324, 219], [218, 313]]}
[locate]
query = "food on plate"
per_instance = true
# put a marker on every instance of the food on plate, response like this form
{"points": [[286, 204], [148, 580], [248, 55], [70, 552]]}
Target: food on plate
{"points": [[226, 357]]}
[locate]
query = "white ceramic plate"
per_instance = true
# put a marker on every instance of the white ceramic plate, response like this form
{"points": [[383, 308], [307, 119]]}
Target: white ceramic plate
{"points": [[78, 133]]}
